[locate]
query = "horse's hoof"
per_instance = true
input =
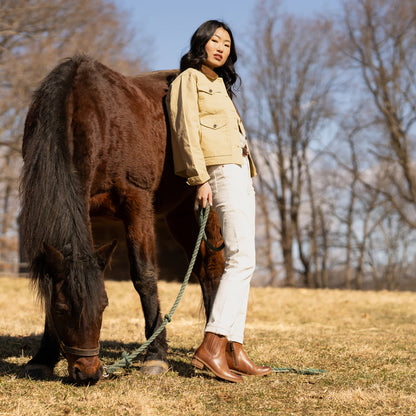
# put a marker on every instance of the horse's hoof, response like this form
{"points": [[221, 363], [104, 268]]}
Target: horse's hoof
{"points": [[38, 372], [154, 368]]}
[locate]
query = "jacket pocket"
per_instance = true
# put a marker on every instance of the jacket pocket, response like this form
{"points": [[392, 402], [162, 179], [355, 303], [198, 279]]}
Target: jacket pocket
{"points": [[214, 138], [208, 89], [213, 122], [210, 99]]}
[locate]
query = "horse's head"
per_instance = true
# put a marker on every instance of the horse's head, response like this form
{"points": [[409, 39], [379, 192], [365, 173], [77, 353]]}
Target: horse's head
{"points": [[75, 306]]}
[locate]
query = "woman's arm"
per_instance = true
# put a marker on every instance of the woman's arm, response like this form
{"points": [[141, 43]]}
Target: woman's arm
{"points": [[183, 110]]}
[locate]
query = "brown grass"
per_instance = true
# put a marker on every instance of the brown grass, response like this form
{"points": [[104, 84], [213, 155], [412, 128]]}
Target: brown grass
{"points": [[365, 340]]}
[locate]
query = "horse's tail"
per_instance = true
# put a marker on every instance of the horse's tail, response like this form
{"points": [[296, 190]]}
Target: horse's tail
{"points": [[53, 206]]}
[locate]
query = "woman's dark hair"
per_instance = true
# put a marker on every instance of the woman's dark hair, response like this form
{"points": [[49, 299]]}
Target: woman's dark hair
{"points": [[197, 55]]}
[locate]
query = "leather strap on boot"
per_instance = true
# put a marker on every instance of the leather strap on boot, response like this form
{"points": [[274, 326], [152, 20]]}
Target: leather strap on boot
{"points": [[239, 362]]}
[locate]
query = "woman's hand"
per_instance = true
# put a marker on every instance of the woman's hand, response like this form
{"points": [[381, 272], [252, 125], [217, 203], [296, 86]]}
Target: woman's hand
{"points": [[204, 194]]}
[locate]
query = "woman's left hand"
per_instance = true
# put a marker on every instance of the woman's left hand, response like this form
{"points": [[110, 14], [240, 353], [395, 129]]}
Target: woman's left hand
{"points": [[204, 195]]}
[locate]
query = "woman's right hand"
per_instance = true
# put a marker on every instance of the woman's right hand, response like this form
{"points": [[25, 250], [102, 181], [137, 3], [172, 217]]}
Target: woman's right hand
{"points": [[204, 194]]}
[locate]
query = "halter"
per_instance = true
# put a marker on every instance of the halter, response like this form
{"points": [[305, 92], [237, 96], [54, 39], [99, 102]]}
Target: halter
{"points": [[80, 352]]}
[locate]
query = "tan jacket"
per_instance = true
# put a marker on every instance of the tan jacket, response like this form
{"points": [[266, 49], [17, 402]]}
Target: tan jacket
{"points": [[205, 126]]}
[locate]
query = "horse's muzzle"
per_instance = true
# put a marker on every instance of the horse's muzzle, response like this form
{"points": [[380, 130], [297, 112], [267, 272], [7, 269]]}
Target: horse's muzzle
{"points": [[84, 372]]}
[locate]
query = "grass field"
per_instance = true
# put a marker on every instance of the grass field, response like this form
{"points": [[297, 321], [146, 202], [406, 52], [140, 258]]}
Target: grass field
{"points": [[366, 342]]}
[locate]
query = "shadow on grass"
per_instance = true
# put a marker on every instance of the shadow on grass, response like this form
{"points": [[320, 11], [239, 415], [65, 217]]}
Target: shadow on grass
{"points": [[179, 359], [16, 347]]}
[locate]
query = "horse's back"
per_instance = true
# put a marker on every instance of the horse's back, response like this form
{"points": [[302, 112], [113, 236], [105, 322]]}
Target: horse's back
{"points": [[155, 82], [119, 123]]}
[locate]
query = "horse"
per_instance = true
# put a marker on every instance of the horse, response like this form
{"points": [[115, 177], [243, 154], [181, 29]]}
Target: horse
{"points": [[97, 143]]}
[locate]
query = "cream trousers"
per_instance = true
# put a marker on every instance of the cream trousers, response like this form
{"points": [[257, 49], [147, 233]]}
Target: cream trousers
{"points": [[234, 202]]}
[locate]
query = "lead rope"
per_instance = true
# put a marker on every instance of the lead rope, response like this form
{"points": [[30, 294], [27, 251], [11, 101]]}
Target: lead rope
{"points": [[127, 358]]}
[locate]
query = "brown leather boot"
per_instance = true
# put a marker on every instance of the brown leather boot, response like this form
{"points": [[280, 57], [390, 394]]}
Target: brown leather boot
{"points": [[211, 354], [238, 361]]}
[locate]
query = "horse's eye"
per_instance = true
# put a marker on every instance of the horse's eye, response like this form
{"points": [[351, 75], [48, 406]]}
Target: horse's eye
{"points": [[61, 308]]}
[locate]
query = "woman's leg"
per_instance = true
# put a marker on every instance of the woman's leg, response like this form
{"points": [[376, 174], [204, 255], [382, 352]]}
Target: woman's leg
{"points": [[233, 201]]}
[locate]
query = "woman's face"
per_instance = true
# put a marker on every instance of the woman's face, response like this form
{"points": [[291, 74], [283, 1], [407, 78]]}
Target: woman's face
{"points": [[218, 48]]}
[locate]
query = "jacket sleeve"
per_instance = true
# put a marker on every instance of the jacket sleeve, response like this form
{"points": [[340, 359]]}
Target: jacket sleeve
{"points": [[183, 111]]}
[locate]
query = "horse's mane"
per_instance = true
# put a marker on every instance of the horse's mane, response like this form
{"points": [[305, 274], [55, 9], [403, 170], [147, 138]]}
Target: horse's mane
{"points": [[53, 207]]}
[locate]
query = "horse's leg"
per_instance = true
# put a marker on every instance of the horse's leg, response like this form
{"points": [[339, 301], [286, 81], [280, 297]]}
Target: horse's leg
{"points": [[42, 364], [139, 223], [209, 265]]}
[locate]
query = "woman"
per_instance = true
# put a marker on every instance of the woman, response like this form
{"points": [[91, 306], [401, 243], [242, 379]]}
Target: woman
{"points": [[210, 150]]}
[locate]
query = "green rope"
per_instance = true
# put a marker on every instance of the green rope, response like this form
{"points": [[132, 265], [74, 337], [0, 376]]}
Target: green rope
{"points": [[127, 359], [208, 244], [205, 238], [305, 371]]}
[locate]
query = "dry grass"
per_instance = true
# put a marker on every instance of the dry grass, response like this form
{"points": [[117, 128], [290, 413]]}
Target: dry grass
{"points": [[365, 340]]}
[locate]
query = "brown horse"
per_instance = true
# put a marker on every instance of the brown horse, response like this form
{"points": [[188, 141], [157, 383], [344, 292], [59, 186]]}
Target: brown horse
{"points": [[96, 143]]}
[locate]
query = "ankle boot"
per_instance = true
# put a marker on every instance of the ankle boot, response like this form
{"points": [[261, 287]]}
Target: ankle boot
{"points": [[238, 361], [211, 354]]}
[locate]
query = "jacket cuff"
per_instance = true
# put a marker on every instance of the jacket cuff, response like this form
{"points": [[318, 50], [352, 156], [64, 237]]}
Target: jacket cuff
{"points": [[198, 180]]}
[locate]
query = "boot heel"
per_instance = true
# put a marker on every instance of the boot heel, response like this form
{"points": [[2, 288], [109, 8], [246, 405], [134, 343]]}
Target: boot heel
{"points": [[196, 363]]}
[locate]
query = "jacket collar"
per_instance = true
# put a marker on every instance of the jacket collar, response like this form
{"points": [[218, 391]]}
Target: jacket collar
{"points": [[210, 73]]}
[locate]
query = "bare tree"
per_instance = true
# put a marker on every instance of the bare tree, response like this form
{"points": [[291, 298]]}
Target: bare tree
{"points": [[292, 80], [372, 234], [389, 252], [379, 39], [265, 251]]}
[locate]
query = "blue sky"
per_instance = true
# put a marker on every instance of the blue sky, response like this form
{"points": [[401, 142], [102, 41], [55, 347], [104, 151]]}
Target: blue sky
{"points": [[170, 24]]}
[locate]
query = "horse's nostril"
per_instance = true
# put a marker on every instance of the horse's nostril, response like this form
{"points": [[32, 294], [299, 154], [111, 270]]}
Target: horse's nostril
{"points": [[82, 378], [79, 376]]}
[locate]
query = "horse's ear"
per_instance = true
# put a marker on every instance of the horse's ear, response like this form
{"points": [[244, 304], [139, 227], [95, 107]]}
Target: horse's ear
{"points": [[104, 254], [54, 260]]}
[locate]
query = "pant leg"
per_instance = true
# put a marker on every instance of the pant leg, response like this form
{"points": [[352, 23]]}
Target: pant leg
{"points": [[233, 201]]}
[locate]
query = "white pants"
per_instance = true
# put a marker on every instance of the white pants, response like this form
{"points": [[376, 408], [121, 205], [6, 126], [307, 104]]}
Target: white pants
{"points": [[234, 202]]}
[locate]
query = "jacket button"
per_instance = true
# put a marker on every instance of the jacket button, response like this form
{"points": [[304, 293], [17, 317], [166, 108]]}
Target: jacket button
{"points": [[210, 91], [215, 126]]}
